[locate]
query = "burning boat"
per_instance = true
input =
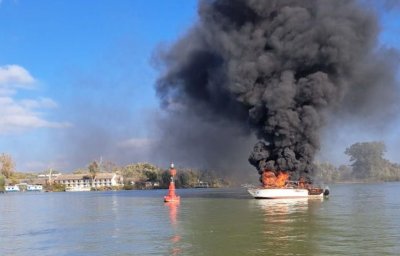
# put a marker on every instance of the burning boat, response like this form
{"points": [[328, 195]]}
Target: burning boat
{"points": [[279, 186], [251, 64], [288, 192]]}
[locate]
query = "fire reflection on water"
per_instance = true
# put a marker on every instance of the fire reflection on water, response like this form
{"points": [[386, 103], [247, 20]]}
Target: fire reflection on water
{"points": [[175, 238], [280, 211], [276, 207]]}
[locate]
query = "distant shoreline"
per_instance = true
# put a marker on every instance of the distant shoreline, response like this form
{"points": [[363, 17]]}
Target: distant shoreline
{"points": [[361, 182]]}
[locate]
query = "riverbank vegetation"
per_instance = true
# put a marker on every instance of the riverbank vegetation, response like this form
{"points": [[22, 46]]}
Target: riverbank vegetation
{"points": [[367, 165], [138, 176], [135, 176], [2, 183]]}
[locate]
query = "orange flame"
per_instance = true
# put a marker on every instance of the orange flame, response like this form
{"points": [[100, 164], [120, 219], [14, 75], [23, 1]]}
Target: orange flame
{"points": [[282, 178], [270, 179]]}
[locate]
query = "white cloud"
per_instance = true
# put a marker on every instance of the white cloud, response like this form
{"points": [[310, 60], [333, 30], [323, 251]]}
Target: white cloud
{"points": [[15, 76], [40, 103], [17, 115]]}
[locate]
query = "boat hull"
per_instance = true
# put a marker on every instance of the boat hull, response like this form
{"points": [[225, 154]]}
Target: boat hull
{"points": [[12, 189], [34, 188], [77, 189], [278, 193]]}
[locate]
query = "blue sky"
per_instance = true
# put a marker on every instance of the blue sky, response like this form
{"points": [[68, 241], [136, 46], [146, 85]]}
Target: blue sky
{"points": [[69, 57], [77, 80]]}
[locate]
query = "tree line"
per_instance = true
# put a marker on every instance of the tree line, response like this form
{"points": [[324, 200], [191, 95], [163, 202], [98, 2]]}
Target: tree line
{"points": [[185, 177], [367, 165], [135, 175]]}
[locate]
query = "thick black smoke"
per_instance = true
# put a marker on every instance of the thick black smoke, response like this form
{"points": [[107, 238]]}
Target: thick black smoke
{"points": [[278, 67]]}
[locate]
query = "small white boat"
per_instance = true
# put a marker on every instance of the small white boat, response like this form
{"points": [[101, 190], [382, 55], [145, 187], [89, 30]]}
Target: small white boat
{"points": [[77, 189], [281, 193], [34, 188], [201, 184], [12, 188]]}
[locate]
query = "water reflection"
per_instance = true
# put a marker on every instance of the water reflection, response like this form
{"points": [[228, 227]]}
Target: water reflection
{"points": [[364, 221], [116, 231], [176, 237], [173, 211], [282, 206], [358, 219], [288, 225]]}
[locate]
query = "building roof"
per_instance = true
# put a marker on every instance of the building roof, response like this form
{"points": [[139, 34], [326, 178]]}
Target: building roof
{"points": [[84, 176], [39, 182], [105, 175], [73, 177]]}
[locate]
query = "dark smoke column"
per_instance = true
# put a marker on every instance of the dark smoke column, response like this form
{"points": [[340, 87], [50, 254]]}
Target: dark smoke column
{"points": [[275, 66]]}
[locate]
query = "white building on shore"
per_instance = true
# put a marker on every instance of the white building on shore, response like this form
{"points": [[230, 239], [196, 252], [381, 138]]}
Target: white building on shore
{"points": [[84, 182]]}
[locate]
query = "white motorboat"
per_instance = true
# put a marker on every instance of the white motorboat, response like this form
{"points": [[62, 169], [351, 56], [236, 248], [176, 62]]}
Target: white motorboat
{"points": [[291, 192]]}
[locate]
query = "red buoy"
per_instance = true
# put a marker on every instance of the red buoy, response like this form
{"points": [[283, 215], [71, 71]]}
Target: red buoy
{"points": [[171, 196]]}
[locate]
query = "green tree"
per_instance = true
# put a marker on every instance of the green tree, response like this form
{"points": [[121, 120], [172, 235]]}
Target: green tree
{"points": [[55, 187], [187, 178], [2, 183], [151, 175], [327, 172], [367, 159], [93, 170], [345, 172], [141, 172], [212, 177], [165, 179], [182, 180], [7, 165]]}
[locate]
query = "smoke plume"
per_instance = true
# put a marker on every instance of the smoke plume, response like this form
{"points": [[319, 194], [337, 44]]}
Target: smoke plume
{"points": [[278, 68]]}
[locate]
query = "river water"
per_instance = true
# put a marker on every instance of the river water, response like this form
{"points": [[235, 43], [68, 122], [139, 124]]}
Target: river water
{"points": [[357, 219]]}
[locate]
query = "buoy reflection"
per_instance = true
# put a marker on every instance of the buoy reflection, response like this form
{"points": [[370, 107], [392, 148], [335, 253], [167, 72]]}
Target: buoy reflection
{"points": [[175, 238]]}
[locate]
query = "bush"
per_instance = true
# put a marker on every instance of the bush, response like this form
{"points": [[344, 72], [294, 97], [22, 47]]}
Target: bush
{"points": [[128, 187], [55, 187], [2, 183]]}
